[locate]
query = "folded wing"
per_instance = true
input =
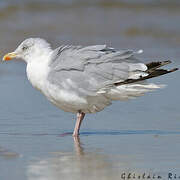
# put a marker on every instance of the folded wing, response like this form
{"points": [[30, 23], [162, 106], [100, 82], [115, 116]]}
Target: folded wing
{"points": [[88, 69]]}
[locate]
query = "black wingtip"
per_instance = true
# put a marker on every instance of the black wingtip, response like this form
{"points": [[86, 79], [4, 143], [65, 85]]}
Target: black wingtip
{"points": [[175, 69], [166, 62], [155, 73], [156, 64]]}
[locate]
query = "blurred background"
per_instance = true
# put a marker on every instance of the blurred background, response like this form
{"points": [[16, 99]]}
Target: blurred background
{"points": [[136, 136]]}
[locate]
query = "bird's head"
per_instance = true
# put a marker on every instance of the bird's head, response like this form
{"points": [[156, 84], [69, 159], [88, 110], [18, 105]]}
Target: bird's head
{"points": [[29, 49]]}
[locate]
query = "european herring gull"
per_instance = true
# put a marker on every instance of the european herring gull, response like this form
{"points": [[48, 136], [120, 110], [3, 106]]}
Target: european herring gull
{"points": [[84, 80]]}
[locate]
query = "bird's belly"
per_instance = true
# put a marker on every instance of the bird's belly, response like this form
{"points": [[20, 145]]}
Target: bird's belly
{"points": [[68, 101]]}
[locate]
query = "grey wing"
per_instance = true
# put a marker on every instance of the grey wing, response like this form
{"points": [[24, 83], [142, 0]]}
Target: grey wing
{"points": [[86, 70]]}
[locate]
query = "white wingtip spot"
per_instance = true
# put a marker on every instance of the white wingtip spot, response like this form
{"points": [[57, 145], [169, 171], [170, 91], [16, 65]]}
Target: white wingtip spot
{"points": [[140, 51]]}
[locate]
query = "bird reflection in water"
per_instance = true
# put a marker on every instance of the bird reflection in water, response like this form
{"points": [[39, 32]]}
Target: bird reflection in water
{"points": [[76, 166]]}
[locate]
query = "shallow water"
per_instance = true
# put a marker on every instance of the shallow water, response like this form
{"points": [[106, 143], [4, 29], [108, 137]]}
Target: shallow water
{"points": [[138, 136]]}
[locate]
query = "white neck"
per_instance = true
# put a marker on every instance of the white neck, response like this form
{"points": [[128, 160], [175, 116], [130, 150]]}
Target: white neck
{"points": [[37, 71]]}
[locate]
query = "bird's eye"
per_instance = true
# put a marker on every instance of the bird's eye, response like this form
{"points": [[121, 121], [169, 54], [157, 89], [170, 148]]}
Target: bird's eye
{"points": [[24, 48]]}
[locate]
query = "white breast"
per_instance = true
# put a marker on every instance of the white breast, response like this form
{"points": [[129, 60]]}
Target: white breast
{"points": [[37, 73]]}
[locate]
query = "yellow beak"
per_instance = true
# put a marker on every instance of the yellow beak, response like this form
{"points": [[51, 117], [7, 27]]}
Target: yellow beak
{"points": [[9, 56]]}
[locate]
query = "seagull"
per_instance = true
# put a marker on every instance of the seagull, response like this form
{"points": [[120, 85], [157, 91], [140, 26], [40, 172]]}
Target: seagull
{"points": [[86, 79]]}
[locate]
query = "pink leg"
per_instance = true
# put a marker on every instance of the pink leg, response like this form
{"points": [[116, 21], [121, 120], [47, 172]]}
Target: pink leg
{"points": [[80, 117]]}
